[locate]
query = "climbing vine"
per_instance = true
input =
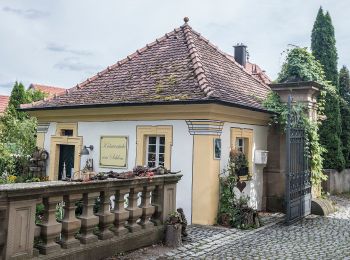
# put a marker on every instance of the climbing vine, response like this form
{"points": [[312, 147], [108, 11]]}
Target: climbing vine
{"points": [[301, 65], [313, 149]]}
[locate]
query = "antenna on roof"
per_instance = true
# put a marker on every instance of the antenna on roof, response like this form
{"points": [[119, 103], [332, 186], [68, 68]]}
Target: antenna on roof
{"points": [[186, 19]]}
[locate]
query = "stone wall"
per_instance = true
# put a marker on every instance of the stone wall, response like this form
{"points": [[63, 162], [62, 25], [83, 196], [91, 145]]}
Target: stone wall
{"points": [[337, 182]]}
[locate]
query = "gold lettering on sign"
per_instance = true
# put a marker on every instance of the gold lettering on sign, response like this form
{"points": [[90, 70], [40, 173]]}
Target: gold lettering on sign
{"points": [[114, 151]]}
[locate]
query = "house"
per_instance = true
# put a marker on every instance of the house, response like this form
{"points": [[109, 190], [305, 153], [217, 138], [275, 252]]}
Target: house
{"points": [[4, 100], [49, 90], [178, 102]]}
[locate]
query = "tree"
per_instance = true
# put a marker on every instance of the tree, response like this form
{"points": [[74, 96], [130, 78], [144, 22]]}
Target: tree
{"points": [[344, 84], [324, 49], [344, 92], [323, 45], [17, 135], [18, 96]]}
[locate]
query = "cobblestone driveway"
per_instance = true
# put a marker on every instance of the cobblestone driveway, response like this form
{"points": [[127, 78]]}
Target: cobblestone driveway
{"points": [[313, 238]]}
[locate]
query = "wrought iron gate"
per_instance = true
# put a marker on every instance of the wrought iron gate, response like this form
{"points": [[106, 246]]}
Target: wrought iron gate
{"points": [[298, 175]]}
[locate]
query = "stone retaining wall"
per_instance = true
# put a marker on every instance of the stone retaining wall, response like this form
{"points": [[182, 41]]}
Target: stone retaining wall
{"points": [[337, 182]]}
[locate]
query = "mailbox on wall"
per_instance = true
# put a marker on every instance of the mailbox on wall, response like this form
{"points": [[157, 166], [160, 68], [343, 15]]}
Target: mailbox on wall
{"points": [[260, 157]]}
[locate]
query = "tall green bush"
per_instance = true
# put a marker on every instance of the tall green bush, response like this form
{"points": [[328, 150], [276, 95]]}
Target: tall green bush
{"points": [[344, 92], [324, 49]]}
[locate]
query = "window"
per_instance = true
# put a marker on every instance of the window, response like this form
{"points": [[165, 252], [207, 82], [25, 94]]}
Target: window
{"points": [[242, 140], [153, 145], [67, 129], [240, 144], [67, 132], [155, 151]]}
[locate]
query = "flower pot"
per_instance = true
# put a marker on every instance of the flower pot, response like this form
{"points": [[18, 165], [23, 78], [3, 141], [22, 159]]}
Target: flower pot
{"points": [[173, 235]]}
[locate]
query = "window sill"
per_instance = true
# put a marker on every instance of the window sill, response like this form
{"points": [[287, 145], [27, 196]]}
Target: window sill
{"points": [[245, 178]]}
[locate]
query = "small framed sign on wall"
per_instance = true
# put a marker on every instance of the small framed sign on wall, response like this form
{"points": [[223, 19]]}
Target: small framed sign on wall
{"points": [[217, 148], [114, 151]]}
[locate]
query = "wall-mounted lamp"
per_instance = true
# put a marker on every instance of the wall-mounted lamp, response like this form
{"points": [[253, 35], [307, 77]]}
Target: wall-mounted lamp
{"points": [[85, 150]]}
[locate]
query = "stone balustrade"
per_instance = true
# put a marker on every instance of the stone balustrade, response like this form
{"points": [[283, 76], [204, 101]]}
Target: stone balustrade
{"points": [[140, 208]]}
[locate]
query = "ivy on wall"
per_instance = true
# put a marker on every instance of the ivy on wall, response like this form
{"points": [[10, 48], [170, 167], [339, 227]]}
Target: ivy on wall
{"points": [[300, 65]]}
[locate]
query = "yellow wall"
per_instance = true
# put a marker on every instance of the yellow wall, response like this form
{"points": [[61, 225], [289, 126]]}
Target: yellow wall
{"points": [[160, 112], [40, 139], [205, 191]]}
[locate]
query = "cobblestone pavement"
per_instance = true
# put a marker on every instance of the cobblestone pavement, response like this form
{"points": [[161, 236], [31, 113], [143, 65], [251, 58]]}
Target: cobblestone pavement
{"points": [[313, 238]]}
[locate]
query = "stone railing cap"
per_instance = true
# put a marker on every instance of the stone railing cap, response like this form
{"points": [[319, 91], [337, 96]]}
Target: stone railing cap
{"points": [[296, 85], [56, 187]]}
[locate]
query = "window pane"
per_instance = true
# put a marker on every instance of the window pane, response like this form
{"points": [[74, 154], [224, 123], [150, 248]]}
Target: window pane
{"points": [[151, 157], [162, 140], [152, 148], [161, 149], [151, 164], [161, 158], [152, 140]]}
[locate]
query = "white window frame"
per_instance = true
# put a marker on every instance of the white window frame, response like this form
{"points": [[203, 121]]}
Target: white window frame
{"points": [[157, 153]]}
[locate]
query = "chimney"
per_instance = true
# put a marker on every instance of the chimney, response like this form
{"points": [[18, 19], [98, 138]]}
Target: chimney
{"points": [[241, 54]]}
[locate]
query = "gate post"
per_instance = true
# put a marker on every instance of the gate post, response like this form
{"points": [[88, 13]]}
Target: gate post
{"points": [[274, 175]]}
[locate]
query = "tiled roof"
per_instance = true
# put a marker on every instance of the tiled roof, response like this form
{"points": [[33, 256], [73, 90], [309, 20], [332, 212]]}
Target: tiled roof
{"points": [[4, 100], [50, 90], [181, 66], [257, 72]]}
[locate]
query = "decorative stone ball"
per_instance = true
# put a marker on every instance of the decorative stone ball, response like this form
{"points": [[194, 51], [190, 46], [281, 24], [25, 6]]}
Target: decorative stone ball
{"points": [[186, 19]]}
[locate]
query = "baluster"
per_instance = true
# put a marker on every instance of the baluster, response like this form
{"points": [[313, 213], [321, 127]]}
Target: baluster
{"points": [[88, 220], [50, 228], [70, 224], [134, 210], [147, 208], [121, 215], [105, 216], [157, 203]]}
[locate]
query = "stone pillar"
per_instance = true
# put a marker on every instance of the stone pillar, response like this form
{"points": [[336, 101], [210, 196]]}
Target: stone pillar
{"points": [[70, 224], [147, 208], [105, 216], [21, 226], [157, 198], [3, 228], [88, 220], [50, 228], [121, 215], [274, 175], [168, 200], [135, 212]]}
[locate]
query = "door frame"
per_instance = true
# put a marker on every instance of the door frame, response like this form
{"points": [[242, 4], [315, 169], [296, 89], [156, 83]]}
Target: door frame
{"points": [[56, 141]]}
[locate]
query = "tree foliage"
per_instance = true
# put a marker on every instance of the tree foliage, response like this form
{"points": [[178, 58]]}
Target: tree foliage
{"points": [[344, 84], [324, 49], [344, 91], [18, 130], [301, 65], [323, 45]]}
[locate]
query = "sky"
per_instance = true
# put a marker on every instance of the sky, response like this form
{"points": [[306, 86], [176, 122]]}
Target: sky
{"points": [[63, 42]]}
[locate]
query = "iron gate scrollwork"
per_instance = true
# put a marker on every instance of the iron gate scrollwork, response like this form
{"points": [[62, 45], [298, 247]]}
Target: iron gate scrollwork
{"points": [[298, 174]]}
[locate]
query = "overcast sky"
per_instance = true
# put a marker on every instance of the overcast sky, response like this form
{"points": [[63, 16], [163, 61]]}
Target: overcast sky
{"points": [[63, 42]]}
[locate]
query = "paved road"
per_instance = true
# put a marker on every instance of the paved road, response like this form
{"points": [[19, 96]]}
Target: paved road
{"points": [[313, 238]]}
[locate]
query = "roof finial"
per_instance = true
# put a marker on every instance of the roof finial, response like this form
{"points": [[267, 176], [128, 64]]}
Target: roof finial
{"points": [[186, 19]]}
